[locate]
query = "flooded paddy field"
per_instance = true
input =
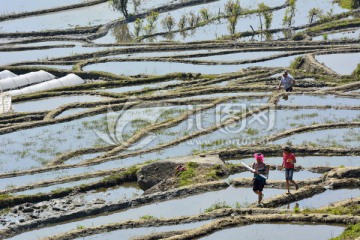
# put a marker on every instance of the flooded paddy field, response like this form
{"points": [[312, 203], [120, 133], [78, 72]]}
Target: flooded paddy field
{"points": [[153, 108], [268, 231]]}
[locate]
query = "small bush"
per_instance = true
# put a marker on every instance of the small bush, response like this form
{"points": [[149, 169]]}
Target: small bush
{"points": [[232, 8], [204, 13], [128, 174], [264, 10], [151, 19], [168, 23], [182, 22], [122, 6], [296, 210], [296, 64], [138, 26], [79, 227], [193, 19], [314, 13], [136, 4], [192, 165], [299, 36], [217, 205], [356, 72]]}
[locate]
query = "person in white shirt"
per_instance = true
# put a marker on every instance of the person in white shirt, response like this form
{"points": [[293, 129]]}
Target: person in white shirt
{"points": [[287, 81]]}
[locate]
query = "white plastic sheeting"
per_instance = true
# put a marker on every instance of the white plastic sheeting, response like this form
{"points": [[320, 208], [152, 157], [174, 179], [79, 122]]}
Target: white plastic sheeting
{"points": [[5, 103], [69, 80], [25, 80], [7, 74]]}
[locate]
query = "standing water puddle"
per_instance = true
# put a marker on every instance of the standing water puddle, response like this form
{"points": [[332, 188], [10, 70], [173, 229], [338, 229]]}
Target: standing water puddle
{"points": [[353, 34], [304, 100], [57, 186], [87, 16], [140, 87], [159, 54], [237, 56], [346, 138], [189, 206], [248, 131], [137, 232], [71, 112], [278, 231], [332, 61], [116, 33], [53, 102], [125, 191], [49, 43], [279, 175], [148, 67], [62, 67], [37, 146], [325, 198], [18, 6], [232, 94], [43, 54], [217, 29]]}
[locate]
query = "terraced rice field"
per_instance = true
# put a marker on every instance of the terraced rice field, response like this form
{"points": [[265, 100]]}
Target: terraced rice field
{"points": [[189, 81]]}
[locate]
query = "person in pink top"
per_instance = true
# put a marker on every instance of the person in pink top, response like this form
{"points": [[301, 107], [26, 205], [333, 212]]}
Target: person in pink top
{"points": [[289, 161], [259, 182]]}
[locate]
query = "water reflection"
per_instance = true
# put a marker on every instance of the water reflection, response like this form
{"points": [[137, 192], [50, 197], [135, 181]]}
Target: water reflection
{"points": [[170, 36], [122, 33], [136, 4], [296, 206], [183, 34], [269, 36], [287, 33], [193, 31]]}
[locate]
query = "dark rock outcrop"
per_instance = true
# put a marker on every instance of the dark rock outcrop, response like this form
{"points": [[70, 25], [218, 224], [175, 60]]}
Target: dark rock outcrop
{"points": [[160, 171]]}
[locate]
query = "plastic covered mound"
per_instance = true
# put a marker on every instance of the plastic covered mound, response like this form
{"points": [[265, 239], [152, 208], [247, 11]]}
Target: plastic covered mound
{"points": [[5, 103], [69, 80], [7, 74], [25, 80]]}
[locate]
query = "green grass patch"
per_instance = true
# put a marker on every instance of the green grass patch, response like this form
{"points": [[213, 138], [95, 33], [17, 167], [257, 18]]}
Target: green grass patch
{"points": [[356, 72], [130, 173], [349, 210], [79, 227], [5, 196], [147, 217], [304, 116], [297, 210], [251, 131], [187, 177], [217, 205], [60, 190], [215, 173], [352, 232], [296, 64], [334, 25], [347, 4]]}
